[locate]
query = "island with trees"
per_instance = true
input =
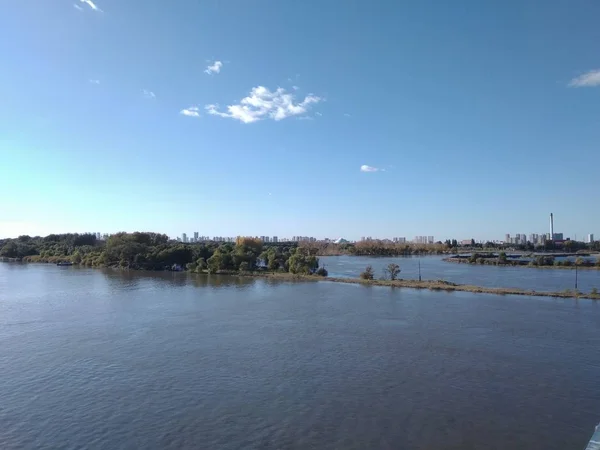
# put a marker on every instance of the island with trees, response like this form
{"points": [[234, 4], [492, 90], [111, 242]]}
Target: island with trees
{"points": [[154, 251]]}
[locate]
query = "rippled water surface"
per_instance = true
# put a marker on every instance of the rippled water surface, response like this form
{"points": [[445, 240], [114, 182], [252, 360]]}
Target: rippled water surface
{"points": [[117, 360], [433, 268]]}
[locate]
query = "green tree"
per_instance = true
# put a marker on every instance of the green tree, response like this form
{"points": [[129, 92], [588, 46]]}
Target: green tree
{"points": [[76, 258], [10, 250], [300, 263], [502, 258]]}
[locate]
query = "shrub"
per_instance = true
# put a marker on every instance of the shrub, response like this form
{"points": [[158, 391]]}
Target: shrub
{"points": [[322, 272], [368, 273]]}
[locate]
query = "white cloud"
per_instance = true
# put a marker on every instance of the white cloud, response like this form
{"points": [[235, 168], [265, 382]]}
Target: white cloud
{"points": [[214, 68], [295, 88], [589, 79], [91, 4], [264, 104], [318, 114], [192, 111], [365, 168], [94, 81], [148, 94], [76, 6], [346, 115]]}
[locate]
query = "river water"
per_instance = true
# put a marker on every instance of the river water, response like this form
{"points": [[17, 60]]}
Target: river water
{"points": [[121, 360], [433, 268]]}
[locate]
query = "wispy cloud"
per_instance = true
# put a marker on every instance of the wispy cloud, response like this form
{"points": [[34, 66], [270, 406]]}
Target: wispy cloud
{"points": [[214, 68], [347, 115], [192, 111], [589, 79], [318, 114], [365, 168], [94, 81], [295, 88], [76, 6], [148, 94], [265, 104], [91, 4]]}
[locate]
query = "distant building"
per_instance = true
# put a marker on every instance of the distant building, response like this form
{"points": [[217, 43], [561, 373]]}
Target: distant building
{"points": [[195, 236], [399, 240], [507, 238], [590, 238], [274, 239], [184, 237], [558, 237]]}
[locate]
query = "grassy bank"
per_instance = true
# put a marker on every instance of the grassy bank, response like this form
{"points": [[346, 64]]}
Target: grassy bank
{"points": [[440, 285], [432, 285]]}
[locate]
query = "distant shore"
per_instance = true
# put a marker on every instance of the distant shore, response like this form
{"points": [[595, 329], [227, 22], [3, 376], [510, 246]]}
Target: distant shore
{"points": [[533, 264]]}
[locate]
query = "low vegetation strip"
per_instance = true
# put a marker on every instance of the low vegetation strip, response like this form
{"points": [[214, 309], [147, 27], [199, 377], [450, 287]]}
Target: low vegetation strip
{"points": [[441, 285], [536, 261], [432, 285]]}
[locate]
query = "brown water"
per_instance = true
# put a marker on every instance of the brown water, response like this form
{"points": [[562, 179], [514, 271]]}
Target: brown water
{"points": [[117, 360]]}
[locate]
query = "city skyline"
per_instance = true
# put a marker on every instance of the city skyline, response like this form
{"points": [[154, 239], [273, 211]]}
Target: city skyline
{"points": [[441, 121], [517, 239]]}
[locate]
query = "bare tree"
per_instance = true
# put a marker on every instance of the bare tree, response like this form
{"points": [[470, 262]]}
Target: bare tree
{"points": [[368, 274], [392, 271]]}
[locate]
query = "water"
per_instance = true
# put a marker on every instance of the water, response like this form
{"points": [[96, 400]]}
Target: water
{"points": [[118, 360], [433, 268]]}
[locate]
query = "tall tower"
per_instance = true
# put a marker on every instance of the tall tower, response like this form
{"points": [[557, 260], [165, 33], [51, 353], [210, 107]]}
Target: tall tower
{"points": [[551, 226]]}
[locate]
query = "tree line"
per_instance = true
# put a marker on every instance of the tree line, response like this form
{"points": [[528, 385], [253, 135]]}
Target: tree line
{"points": [[154, 251]]}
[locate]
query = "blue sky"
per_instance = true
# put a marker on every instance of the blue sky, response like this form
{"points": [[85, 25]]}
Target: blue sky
{"points": [[256, 117]]}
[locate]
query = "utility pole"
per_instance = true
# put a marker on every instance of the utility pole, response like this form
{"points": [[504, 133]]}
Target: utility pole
{"points": [[576, 275], [419, 267]]}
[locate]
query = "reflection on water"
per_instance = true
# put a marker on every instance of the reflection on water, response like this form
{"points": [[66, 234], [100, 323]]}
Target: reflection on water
{"points": [[119, 360], [433, 268]]}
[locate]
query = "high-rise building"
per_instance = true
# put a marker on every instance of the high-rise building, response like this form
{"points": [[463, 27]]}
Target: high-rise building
{"points": [[507, 238], [195, 236], [274, 239], [590, 238], [184, 237]]}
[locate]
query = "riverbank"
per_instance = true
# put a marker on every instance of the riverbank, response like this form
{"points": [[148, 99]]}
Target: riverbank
{"points": [[432, 285]]}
